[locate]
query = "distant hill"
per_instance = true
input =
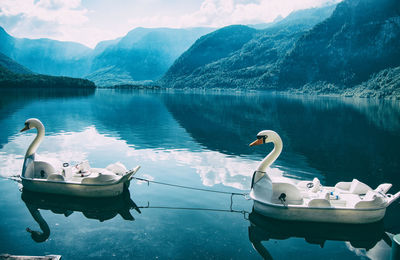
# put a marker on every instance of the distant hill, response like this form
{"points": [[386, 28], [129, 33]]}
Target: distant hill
{"points": [[13, 66], [143, 54], [248, 56], [46, 56], [11, 80], [334, 49]]}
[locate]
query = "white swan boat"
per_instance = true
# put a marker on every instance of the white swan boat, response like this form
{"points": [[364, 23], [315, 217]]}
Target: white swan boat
{"points": [[42, 174], [346, 202]]}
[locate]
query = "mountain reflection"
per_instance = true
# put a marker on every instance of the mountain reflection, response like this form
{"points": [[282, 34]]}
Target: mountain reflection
{"points": [[92, 208], [340, 138], [14, 100]]}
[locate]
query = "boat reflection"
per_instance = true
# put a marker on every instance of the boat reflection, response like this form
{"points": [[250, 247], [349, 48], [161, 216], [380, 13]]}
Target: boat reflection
{"points": [[92, 208], [360, 236]]}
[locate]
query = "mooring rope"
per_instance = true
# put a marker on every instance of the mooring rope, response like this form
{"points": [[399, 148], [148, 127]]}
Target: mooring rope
{"points": [[243, 212], [245, 195], [189, 187]]}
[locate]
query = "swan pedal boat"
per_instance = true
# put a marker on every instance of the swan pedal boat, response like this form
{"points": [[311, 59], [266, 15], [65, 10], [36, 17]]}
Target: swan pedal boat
{"points": [[40, 174], [346, 202]]}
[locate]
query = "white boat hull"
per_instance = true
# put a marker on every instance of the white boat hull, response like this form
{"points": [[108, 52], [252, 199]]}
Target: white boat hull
{"points": [[94, 190], [74, 189], [330, 215]]}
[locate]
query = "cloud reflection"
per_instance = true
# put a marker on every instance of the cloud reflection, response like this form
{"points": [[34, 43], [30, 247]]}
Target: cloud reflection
{"points": [[212, 167]]}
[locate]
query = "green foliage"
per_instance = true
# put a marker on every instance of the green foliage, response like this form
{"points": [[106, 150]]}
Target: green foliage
{"points": [[359, 39], [11, 80], [239, 56]]}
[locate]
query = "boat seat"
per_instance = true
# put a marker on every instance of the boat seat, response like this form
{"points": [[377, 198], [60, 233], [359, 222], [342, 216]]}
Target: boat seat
{"points": [[55, 177], [117, 168], [354, 187], [314, 185], [42, 169], [371, 200], [101, 179], [383, 188], [322, 201], [293, 194]]}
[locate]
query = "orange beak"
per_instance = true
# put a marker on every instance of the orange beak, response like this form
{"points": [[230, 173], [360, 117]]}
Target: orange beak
{"points": [[257, 142], [24, 129]]}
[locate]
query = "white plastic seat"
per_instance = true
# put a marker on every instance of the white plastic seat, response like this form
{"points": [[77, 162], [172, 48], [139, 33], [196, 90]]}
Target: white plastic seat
{"points": [[293, 194], [117, 168], [100, 179], [353, 187], [42, 169], [313, 186], [383, 188], [371, 200], [322, 201]]}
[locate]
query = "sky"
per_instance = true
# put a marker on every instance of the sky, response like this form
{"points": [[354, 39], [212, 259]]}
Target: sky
{"points": [[91, 21]]}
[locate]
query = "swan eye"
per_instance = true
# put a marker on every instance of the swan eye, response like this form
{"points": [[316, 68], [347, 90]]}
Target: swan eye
{"points": [[264, 137], [27, 125]]}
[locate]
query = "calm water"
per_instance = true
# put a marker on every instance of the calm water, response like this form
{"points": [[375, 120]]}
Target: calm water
{"points": [[200, 140]]}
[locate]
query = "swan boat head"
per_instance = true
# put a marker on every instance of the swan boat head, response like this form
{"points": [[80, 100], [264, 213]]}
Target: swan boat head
{"points": [[30, 124], [263, 137]]}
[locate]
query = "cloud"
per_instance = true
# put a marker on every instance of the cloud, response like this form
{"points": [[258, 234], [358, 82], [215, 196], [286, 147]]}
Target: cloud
{"points": [[218, 13], [57, 19], [70, 20], [61, 12], [212, 167]]}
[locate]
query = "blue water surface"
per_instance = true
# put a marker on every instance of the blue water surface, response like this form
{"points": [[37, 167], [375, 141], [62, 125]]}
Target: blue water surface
{"points": [[198, 140]]}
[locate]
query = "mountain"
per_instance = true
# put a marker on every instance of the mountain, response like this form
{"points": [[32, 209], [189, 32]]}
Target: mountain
{"points": [[251, 56], [46, 56], [359, 39], [351, 46], [13, 66], [143, 54]]}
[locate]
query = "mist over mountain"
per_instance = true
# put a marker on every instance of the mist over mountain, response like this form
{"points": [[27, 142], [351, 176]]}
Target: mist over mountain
{"points": [[13, 66], [144, 54], [46, 56]]}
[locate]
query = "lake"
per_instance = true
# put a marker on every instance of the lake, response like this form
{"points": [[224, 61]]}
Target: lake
{"points": [[196, 139]]}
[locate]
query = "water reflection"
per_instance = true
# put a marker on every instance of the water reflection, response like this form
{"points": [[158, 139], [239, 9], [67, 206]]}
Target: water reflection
{"points": [[192, 140], [361, 238], [212, 167], [338, 138], [14, 100], [92, 208]]}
